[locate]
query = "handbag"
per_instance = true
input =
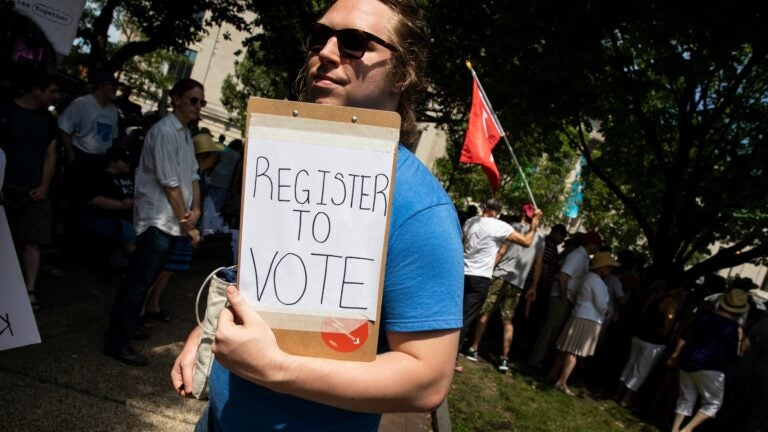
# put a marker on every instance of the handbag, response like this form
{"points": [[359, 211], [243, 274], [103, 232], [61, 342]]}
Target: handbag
{"points": [[218, 281]]}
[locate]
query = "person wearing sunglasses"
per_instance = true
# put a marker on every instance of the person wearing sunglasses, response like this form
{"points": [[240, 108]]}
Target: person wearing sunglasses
{"points": [[166, 208], [361, 53]]}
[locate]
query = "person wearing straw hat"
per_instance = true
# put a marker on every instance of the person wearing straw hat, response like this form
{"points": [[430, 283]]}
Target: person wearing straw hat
{"points": [[580, 335], [563, 294], [704, 352]]}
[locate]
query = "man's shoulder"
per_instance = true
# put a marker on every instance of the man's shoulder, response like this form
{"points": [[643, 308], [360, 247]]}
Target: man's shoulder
{"points": [[416, 188], [165, 125], [78, 106], [498, 224]]}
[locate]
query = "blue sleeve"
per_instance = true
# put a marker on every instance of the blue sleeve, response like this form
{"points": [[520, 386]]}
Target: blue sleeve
{"points": [[423, 286]]}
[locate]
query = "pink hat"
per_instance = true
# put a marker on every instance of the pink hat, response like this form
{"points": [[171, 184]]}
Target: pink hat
{"points": [[528, 210]]}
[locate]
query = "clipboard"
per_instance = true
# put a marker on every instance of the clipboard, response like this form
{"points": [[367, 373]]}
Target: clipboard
{"points": [[335, 147]]}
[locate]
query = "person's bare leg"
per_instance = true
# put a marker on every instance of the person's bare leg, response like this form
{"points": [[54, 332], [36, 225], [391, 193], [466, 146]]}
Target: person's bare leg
{"points": [[698, 419], [627, 399], [569, 363], [677, 422], [620, 392], [152, 304], [480, 326], [509, 332], [31, 265]]}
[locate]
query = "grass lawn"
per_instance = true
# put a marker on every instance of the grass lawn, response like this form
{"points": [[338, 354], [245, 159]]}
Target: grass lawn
{"points": [[482, 399]]}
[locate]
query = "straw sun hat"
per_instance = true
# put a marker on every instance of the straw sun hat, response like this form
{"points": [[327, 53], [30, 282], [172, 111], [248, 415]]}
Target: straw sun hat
{"points": [[603, 259], [735, 301]]}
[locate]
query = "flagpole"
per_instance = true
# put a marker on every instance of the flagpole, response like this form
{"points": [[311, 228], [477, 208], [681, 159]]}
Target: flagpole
{"points": [[503, 134]]}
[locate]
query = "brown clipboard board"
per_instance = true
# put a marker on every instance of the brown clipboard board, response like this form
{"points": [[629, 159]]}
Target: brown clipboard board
{"points": [[314, 343]]}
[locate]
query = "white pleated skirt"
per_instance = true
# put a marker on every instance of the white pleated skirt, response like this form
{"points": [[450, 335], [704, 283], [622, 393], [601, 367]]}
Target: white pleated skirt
{"points": [[579, 337]]}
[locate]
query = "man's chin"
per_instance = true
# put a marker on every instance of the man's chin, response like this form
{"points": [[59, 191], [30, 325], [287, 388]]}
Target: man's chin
{"points": [[323, 96]]}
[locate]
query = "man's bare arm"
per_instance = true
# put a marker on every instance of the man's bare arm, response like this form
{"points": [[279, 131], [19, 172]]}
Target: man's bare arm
{"points": [[414, 376]]}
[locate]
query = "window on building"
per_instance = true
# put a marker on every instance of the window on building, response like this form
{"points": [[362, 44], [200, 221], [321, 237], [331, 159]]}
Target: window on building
{"points": [[181, 66]]}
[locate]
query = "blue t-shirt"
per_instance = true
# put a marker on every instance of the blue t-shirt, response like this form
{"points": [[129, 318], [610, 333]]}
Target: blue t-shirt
{"points": [[423, 289], [711, 343]]}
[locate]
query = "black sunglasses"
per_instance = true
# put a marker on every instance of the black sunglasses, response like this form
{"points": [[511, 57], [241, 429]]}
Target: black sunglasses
{"points": [[353, 43], [195, 100]]}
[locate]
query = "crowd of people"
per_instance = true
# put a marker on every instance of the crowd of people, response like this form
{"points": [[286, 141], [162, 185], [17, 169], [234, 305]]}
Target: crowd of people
{"points": [[139, 183], [89, 176], [664, 331]]}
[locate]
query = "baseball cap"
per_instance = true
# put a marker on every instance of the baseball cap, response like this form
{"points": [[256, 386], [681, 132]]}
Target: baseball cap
{"points": [[103, 78], [560, 229], [592, 237], [528, 210]]}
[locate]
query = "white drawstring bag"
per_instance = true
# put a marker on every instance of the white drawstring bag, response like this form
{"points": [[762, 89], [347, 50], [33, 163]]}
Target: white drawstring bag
{"points": [[217, 300]]}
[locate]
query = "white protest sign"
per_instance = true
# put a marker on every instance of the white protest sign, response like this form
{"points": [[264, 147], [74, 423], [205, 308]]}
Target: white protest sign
{"points": [[57, 18], [316, 200], [17, 322]]}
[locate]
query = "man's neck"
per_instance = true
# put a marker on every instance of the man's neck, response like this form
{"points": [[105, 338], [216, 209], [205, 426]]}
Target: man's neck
{"points": [[181, 118], [28, 101]]}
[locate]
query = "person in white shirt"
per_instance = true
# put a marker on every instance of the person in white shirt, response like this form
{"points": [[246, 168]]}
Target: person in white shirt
{"points": [[166, 208], [482, 236], [89, 125], [563, 294], [580, 336], [509, 276]]}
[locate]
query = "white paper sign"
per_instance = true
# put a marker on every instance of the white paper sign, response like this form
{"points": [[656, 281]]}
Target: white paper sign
{"points": [[315, 207], [57, 18], [17, 322]]}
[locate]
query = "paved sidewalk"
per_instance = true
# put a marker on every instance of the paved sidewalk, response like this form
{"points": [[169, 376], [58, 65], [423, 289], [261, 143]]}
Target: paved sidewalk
{"points": [[66, 383]]}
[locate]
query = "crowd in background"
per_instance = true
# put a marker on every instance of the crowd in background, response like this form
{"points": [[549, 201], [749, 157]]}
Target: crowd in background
{"points": [[673, 348]]}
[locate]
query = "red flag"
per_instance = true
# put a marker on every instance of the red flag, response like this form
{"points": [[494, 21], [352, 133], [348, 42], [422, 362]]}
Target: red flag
{"points": [[482, 135]]}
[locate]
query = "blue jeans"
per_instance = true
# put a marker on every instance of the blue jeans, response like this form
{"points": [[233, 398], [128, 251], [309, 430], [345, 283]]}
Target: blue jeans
{"points": [[204, 422], [146, 262]]}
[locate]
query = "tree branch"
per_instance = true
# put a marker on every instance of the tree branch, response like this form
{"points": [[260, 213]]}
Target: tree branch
{"points": [[130, 50], [725, 258], [584, 149], [636, 106]]}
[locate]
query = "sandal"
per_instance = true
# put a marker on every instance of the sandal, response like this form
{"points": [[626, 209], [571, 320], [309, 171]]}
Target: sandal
{"points": [[563, 388], [33, 301], [160, 315]]}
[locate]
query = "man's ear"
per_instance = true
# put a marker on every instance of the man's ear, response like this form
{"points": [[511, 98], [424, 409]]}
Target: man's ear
{"points": [[398, 82]]}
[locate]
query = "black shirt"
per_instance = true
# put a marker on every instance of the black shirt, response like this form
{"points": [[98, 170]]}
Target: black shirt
{"points": [[108, 185], [24, 136]]}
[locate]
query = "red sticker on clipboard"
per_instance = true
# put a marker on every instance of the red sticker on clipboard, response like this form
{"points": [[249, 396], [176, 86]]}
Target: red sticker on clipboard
{"points": [[343, 334]]}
